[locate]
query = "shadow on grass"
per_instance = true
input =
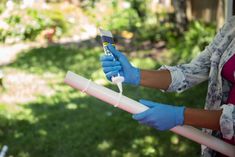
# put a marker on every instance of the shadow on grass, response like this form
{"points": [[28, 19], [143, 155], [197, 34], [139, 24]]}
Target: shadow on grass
{"points": [[85, 126]]}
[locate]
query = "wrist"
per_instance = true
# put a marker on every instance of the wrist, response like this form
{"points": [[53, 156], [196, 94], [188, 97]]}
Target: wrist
{"points": [[136, 77], [179, 120]]}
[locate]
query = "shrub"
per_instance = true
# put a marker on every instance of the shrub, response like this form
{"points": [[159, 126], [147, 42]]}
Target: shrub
{"points": [[126, 19], [2, 7], [192, 42], [27, 24], [157, 27]]}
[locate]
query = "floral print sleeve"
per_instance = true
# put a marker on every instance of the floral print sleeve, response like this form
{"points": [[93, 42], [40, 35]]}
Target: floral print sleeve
{"points": [[227, 122], [187, 75]]}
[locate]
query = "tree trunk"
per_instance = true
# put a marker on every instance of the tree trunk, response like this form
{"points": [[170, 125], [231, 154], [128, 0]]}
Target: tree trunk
{"points": [[233, 7], [180, 14], [1, 79], [220, 17]]}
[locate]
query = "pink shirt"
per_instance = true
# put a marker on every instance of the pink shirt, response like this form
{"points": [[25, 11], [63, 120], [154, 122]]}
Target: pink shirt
{"points": [[228, 72]]}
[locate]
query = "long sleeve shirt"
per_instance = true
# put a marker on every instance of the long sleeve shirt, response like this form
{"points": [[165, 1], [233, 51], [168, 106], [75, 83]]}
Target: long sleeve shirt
{"points": [[208, 66]]}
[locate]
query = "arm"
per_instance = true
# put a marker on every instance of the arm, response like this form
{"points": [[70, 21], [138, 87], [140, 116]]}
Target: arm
{"points": [[159, 79], [181, 77], [193, 117], [149, 77], [202, 118], [162, 79], [164, 117], [175, 78]]}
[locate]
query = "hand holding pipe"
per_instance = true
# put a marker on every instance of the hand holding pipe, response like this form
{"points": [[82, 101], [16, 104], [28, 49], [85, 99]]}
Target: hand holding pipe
{"points": [[133, 107]]}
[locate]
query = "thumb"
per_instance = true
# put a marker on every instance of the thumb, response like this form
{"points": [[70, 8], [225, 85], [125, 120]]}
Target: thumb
{"points": [[147, 103], [139, 116], [115, 52]]}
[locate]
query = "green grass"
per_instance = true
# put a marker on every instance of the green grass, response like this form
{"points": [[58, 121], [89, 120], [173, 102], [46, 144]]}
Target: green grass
{"points": [[72, 124]]}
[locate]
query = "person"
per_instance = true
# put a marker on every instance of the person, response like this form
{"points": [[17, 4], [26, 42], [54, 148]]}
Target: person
{"points": [[216, 63]]}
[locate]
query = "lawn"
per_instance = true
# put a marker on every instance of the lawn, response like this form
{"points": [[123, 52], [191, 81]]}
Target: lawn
{"points": [[68, 123]]}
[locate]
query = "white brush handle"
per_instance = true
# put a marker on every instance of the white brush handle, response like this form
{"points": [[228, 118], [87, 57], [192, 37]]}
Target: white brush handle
{"points": [[134, 107]]}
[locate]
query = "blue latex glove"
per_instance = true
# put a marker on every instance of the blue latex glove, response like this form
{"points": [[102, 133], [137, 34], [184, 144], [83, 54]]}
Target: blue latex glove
{"points": [[160, 116], [118, 63]]}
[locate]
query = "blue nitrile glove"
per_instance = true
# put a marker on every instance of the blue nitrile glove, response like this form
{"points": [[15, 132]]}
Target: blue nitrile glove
{"points": [[160, 116], [121, 65]]}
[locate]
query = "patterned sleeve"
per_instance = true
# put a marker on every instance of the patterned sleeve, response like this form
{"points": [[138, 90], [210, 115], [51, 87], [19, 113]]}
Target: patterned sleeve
{"points": [[227, 121], [187, 75]]}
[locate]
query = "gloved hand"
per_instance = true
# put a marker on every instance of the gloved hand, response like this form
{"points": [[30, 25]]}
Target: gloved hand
{"points": [[160, 116], [121, 65]]}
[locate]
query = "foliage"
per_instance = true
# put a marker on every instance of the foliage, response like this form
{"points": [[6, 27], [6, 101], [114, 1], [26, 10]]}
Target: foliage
{"points": [[192, 42], [87, 4], [129, 20], [3, 2], [181, 48], [158, 27], [148, 24], [140, 7], [70, 123], [27, 24], [115, 15], [2, 7]]}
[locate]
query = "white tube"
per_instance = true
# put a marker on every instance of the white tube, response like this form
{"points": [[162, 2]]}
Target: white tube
{"points": [[134, 107], [3, 151]]}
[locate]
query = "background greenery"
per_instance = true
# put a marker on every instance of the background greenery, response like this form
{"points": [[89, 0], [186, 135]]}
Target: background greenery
{"points": [[142, 23], [28, 23], [74, 124], [69, 123]]}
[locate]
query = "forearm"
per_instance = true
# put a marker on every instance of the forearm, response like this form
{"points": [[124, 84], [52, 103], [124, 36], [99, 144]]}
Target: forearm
{"points": [[203, 118], [159, 79]]}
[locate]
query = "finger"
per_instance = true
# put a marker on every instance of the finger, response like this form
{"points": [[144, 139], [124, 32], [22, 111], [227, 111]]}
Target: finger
{"points": [[145, 121], [109, 69], [110, 63], [149, 120], [107, 58], [140, 116], [147, 103], [111, 73], [113, 50]]}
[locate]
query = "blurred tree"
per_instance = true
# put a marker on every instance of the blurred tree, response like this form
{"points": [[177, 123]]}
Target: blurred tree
{"points": [[1, 78], [233, 7], [180, 14], [3, 1], [140, 7], [83, 3]]}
